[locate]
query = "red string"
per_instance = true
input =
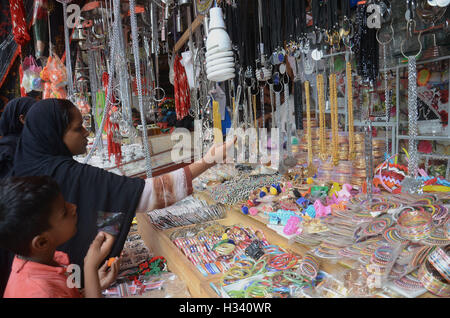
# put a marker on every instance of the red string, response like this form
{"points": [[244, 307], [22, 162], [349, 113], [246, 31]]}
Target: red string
{"points": [[114, 149], [181, 87]]}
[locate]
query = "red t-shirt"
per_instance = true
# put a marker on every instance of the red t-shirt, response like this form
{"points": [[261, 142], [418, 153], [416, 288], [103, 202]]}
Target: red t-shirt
{"points": [[34, 280]]}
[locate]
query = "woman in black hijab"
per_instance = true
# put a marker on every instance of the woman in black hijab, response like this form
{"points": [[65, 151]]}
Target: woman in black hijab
{"points": [[11, 125], [53, 133]]}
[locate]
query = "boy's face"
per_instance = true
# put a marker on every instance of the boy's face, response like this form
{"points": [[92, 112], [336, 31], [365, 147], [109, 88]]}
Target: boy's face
{"points": [[63, 221]]}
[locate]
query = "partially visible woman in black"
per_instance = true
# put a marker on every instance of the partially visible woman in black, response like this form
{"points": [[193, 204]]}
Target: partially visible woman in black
{"points": [[11, 125]]}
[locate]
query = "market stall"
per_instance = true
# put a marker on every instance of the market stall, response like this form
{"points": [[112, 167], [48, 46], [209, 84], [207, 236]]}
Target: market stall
{"points": [[339, 182]]}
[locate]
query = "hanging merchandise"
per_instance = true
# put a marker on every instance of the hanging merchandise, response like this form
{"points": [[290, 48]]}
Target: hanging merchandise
{"points": [[20, 31], [366, 46], [311, 169], [219, 56], [137, 66], [109, 91], [181, 87], [351, 126], [111, 125], [19, 25], [31, 80], [387, 91], [40, 27], [70, 89], [334, 118], [322, 125], [411, 184], [55, 77]]}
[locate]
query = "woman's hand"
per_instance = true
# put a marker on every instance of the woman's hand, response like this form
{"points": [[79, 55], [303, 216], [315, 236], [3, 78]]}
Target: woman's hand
{"points": [[218, 152]]}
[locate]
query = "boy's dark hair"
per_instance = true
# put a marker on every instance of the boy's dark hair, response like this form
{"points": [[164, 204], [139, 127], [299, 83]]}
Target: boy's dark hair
{"points": [[25, 209]]}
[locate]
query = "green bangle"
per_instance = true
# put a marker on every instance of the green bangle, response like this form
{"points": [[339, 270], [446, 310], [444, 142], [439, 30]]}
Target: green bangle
{"points": [[262, 269], [256, 290], [236, 293]]}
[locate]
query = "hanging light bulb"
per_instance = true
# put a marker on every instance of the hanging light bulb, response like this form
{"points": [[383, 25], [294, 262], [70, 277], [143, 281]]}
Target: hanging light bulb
{"points": [[219, 55]]}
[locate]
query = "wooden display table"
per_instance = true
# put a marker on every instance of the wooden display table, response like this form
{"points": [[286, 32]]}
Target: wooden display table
{"points": [[199, 286]]}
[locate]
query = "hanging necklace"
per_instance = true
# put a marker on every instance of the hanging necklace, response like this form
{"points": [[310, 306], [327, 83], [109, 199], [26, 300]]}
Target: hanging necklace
{"points": [[322, 134], [387, 93], [135, 46], [111, 68], [366, 46], [311, 169], [351, 125], [334, 118], [271, 102], [410, 184]]}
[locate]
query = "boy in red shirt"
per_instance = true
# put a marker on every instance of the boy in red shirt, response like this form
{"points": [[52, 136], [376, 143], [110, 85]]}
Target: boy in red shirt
{"points": [[34, 220]]}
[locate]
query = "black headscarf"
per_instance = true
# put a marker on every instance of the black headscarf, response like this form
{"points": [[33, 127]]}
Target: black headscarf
{"points": [[41, 151], [10, 130]]}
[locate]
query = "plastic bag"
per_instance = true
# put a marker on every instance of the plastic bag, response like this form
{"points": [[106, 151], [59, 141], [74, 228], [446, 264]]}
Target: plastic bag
{"points": [[31, 80], [55, 76]]}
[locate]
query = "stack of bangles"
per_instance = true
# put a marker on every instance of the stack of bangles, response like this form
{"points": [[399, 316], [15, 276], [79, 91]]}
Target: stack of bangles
{"points": [[243, 268], [224, 247], [309, 266], [415, 225], [433, 281], [440, 259], [409, 282], [380, 260], [378, 225]]}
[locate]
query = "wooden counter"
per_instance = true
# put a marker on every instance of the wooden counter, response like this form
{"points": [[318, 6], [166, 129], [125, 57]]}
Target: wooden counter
{"points": [[199, 285]]}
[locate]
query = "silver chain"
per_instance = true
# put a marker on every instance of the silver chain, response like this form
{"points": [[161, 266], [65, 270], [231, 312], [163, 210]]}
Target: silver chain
{"points": [[68, 58], [113, 44], [387, 99], [135, 45], [413, 164]]}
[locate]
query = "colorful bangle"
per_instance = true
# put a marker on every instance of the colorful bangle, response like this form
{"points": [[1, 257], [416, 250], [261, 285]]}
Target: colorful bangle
{"points": [[440, 259], [283, 261], [414, 225], [309, 266], [433, 281]]}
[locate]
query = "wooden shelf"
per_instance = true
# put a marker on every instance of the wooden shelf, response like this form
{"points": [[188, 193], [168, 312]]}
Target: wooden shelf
{"points": [[200, 286]]}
